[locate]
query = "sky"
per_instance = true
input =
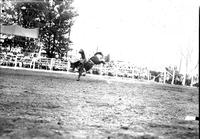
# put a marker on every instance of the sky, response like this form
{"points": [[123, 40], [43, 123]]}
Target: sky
{"points": [[150, 33]]}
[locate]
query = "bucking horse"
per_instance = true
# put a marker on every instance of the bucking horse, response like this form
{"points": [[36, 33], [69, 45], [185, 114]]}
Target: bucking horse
{"points": [[84, 65]]}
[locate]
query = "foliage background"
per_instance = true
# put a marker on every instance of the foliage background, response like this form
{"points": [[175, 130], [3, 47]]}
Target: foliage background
{"points": [[53, 18]]}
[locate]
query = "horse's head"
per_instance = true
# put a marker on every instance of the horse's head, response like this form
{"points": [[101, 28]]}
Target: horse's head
{"points": [[81, 51]]}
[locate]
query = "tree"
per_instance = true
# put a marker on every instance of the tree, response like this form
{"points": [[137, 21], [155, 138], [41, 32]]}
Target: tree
{"points": [[53, 18], [56, 30]]}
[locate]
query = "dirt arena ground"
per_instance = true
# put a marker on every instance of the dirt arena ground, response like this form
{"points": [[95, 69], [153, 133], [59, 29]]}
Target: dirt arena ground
{"points": [[44, 105]]}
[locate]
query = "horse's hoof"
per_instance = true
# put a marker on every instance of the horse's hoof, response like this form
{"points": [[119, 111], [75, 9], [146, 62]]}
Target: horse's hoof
{"points": [[78, 80]]}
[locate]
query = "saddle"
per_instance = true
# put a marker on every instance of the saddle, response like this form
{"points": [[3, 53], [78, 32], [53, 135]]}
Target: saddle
{"points": [[88, 65]]}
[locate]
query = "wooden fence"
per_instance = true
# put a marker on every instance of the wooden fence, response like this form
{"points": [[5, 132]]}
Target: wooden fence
{"points": [[128, 71]]}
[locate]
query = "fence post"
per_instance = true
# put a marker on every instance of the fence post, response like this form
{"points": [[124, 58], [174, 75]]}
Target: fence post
{"points": [[192, 80], [164, 76], [184, 80], [68, 65], [33, 62], [133, 72], [15, 61], [51, 64], [173, 76], [148, 74], [101, 68]]}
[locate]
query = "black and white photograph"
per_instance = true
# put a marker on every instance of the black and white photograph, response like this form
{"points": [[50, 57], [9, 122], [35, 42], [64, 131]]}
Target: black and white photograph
{"points": [[99, 69]]}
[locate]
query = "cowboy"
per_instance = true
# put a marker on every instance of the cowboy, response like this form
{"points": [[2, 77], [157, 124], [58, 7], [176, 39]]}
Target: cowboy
{"points": [[80, 61]]}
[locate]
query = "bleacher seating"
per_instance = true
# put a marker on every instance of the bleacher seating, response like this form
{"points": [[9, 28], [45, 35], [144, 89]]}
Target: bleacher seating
{"points": [[59, 64]]}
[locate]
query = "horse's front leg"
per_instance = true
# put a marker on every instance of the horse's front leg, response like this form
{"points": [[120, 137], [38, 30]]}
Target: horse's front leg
{"points": [[80, 71], [79, 76]]}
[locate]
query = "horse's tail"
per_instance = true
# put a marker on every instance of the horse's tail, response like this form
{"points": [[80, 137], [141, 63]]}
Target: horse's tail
{"points": [[99, 53]]}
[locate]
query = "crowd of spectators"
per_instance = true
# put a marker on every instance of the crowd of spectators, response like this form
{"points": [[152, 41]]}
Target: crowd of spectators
{"points": [[122, 69]]}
